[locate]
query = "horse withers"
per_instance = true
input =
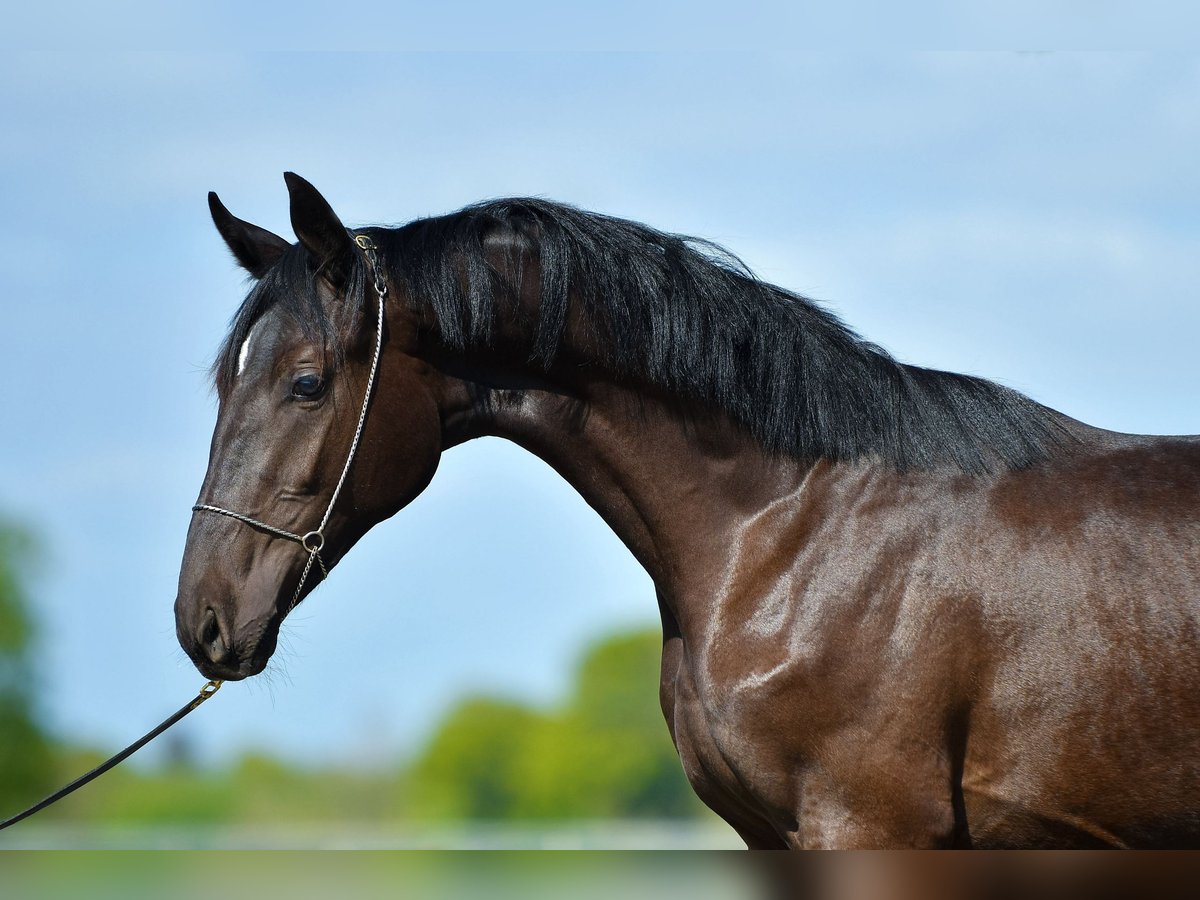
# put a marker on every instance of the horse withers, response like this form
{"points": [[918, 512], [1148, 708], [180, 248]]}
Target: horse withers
{"points": [[900, 607]]}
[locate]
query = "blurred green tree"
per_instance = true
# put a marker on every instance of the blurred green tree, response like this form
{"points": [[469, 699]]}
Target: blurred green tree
{"points": [[470, 769], [26, 764], [605, 753]]}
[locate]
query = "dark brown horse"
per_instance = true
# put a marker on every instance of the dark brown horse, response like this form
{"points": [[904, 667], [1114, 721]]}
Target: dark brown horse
{"points": [[900, 607]]}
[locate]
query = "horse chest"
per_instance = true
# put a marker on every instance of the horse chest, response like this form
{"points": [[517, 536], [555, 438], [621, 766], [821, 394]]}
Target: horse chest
{"points": [[743, 778]]}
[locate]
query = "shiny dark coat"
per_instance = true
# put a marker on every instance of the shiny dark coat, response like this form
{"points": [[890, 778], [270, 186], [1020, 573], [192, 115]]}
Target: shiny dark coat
{"points": [[900, 607]]}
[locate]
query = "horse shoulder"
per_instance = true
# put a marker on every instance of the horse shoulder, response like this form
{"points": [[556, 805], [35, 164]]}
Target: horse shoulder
{"points": [[829, 655]]}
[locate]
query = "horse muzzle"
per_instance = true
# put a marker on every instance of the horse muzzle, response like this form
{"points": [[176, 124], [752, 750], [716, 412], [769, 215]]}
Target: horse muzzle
{"points": [[218, 650]]}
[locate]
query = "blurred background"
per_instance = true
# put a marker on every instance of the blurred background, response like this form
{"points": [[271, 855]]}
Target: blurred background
{"points": [[1028, 217]]}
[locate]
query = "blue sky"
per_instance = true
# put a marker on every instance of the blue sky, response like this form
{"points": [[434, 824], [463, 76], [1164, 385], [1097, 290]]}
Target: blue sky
{"points": [[1026, 217]]}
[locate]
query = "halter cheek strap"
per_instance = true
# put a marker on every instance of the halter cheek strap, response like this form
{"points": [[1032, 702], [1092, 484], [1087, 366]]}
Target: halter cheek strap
{"points": [[314, 541]]}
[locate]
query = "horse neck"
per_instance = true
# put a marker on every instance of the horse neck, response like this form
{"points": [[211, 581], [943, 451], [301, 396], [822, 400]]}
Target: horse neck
{"points": [[669, 479]]}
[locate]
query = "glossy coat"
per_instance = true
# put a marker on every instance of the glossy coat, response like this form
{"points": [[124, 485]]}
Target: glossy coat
{"points": [[856, 653]]}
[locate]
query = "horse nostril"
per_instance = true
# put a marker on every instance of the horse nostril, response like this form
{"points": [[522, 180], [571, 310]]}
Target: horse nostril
{"points": [[210, 637]]}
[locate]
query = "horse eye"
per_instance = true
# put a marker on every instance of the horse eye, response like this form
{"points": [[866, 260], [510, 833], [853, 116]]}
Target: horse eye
{"points": [[308, 386]]}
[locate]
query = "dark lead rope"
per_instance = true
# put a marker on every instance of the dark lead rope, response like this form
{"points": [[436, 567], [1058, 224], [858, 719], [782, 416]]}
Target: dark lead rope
{"points": [[205, 692]]}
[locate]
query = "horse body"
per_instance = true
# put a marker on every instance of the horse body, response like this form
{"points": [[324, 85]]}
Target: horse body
{"points": [[946, 676], [939, 659], [965, 621]]}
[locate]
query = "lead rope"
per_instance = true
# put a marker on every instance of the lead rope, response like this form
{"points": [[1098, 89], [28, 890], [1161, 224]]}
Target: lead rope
{"points": [[314, 541], [205, 692]]}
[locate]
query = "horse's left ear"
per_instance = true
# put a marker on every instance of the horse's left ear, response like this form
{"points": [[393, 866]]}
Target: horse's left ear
{"points": [[255, 249], [320, 231]]}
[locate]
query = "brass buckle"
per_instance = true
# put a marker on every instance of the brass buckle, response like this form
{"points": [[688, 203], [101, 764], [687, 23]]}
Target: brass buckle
{"points": [[209, 689]]}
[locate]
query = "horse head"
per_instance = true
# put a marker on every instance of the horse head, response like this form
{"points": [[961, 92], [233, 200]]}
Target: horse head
{"points": [[294, 387]]}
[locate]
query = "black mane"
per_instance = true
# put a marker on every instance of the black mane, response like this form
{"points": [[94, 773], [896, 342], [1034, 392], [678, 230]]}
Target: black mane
{"points": [[687, 316]]}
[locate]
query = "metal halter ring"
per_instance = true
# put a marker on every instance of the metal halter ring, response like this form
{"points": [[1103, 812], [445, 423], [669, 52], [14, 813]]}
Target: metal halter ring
{"points": [[317, 546]]}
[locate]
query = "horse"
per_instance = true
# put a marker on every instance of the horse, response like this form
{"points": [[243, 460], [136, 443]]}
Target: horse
{"points": [[900, 607]]}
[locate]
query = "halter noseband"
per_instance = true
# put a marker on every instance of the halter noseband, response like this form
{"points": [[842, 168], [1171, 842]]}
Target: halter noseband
{"points": [[314, 541]]}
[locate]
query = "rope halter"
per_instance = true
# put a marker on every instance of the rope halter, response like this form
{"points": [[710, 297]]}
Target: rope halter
{"points": [[314, 541]]}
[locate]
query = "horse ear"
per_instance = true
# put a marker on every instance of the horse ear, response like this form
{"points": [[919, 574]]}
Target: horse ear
{"points": [[320, 231], [255, 249]]}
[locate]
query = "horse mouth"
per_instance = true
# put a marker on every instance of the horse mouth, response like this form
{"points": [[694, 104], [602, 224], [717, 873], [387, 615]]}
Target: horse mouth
{"points": [[254, 653], [225, 672]]}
